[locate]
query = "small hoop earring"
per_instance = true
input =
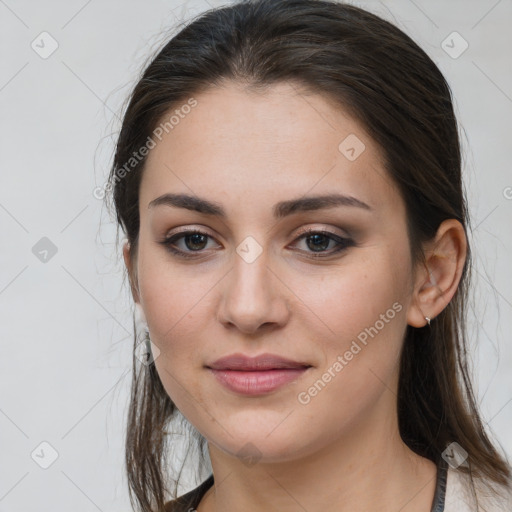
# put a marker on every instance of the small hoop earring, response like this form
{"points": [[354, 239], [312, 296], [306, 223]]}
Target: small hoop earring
{"points": [[428, 320]]}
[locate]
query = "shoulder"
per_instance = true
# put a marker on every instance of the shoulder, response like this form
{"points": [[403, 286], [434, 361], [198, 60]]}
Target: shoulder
{"points": [[460, 497], [189, 501]]}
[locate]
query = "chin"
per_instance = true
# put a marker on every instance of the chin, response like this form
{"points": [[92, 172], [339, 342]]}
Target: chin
{"points": [[255, 445]]}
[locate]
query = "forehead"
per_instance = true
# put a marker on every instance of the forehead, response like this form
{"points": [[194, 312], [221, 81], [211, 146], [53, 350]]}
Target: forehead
{"points": [[237, 145]]}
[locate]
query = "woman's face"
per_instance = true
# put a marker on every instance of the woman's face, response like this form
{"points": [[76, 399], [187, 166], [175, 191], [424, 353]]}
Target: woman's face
{"points": [[252, 284]]}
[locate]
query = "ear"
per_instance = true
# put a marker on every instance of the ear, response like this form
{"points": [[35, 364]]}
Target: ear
{"points": [[130, 263], [436, 284]]}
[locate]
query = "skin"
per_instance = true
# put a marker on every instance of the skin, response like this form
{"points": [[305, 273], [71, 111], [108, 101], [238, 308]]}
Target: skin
{"points": [[248, 151]]}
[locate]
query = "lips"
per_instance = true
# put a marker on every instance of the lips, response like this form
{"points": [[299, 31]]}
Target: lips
{"points": [[241, 362], [256, 376]]}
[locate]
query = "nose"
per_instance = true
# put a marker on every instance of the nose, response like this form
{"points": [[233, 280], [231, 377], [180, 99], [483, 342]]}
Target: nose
{"points": [[254, 297]]}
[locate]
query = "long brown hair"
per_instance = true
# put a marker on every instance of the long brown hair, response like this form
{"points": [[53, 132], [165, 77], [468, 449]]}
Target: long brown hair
{"points": [[389, 84]]}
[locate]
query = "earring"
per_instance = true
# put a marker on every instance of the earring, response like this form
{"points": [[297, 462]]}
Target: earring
{"points": [[428, 320]]}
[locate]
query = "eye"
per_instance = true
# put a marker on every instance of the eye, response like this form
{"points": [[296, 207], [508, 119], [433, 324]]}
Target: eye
{"points": [[317, 243], [194, 241]]}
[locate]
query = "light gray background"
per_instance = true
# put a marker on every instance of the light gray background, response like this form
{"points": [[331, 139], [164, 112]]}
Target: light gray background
{"points": [[66, 324]]}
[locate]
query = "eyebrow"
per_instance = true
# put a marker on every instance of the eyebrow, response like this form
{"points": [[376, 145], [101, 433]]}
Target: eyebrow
{"points": [[280, 210]]}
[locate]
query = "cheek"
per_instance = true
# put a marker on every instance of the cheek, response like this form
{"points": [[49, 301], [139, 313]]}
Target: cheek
{"points": [[360, 354], [362, 293], [171, 294], [177, 302], [360, 317]]}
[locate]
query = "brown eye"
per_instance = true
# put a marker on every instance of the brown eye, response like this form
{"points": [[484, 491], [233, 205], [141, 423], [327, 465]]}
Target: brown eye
{"points": [[194, 241], [318, 242]]}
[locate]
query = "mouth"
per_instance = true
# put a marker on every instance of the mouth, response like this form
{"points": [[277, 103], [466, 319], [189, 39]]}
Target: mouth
{"points": [[256, 375]]}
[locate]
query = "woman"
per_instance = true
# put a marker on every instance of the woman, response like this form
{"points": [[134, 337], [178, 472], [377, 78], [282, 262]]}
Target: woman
{"points": [[288, 176]]}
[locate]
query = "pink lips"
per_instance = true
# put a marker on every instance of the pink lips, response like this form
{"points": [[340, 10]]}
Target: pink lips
{"points": [[256, 375]]}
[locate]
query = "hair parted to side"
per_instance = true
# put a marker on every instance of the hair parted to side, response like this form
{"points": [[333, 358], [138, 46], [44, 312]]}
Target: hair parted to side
{"points": [[380, 76]]}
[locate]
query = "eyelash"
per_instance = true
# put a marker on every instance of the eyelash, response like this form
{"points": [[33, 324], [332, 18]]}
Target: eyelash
{"points": [[343, 242]]}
